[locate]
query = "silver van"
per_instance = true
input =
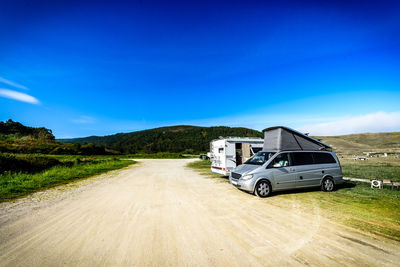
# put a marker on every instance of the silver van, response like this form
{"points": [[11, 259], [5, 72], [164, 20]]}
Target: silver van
{"points": [[269, 171]]}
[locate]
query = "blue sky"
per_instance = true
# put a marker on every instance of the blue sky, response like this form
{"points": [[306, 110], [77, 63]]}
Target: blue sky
{"points": [[95, 68]]}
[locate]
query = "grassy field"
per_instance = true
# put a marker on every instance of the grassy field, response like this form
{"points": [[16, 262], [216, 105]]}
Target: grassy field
{"points": [[161, 155], [355, 205], [373, 168], [66, 168], [204, 167], [364, 142]]}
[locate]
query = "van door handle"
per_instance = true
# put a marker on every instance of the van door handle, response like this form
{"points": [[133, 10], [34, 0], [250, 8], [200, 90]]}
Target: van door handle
{"points": [[301, 177]]}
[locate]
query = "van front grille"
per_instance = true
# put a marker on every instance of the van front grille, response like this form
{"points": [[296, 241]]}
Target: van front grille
{"points": [[236, 175]]}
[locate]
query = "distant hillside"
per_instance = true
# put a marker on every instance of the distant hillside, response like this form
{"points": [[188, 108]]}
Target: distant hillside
{"points": [[364, 142], [18, 138], [18, 130], [166, 139]]}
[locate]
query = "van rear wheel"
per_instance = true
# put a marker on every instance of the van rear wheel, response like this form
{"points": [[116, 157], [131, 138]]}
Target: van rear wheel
{"points": [[263, 189], [327, 185]]}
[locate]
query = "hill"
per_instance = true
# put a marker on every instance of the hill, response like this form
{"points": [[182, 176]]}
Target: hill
{"points": [[18, 138], [196, 139], [12, 128], [364, 142], [166, 139]]}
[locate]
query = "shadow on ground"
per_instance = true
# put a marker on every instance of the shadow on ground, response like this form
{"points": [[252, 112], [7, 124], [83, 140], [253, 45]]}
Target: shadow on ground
{"points": [[307, 190]]}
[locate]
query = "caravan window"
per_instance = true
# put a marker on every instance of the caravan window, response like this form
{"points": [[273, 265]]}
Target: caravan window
{"points": [[254, 150], [260, 158]]}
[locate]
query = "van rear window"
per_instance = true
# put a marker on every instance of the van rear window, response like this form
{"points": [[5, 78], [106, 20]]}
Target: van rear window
{"points": [[323, 158], [302, 158]]}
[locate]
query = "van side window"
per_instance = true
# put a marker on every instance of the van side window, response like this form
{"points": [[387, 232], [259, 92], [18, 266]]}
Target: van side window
{"points": [[302, 158], [220, 150], [322, 158], [281, 160]]}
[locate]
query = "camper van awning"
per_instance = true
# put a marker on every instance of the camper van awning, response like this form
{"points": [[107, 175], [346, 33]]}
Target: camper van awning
{"points": [[283, 138]]}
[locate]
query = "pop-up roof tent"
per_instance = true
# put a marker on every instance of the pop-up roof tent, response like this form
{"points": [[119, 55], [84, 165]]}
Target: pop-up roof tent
{"points": [[283, 138]]}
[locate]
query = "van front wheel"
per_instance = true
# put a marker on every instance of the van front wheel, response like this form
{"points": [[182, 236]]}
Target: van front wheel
{"points": [[263, 189], [327, 185]]}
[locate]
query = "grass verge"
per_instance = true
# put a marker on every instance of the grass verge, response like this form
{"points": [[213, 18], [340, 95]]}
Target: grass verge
{"points": [[204, 167], [13, 185], [374, 211], [162, 155], [356, 205], [374, 168]]}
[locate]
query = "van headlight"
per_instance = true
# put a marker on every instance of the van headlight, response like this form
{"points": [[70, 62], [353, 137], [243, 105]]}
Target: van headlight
{"points": [[247, 177]]}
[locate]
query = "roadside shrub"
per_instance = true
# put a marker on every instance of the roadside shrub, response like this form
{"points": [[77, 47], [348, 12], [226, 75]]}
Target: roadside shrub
{"points": [[26, 163]]}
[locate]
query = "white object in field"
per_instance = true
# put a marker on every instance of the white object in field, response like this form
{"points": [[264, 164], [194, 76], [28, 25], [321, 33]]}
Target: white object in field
{"points": [[360, 158], [227, 153], [376, 184]]}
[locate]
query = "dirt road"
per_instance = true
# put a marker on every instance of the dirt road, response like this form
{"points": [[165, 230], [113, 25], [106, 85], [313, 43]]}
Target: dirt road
{"points": [[161, 213]]}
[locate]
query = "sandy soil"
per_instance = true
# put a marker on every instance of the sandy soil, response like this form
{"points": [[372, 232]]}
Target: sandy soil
{"points": [[161, 213]]}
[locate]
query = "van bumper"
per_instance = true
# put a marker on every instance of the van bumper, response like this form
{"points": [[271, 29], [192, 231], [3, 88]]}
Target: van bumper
{"points": [[338, 180], [247, 185]]}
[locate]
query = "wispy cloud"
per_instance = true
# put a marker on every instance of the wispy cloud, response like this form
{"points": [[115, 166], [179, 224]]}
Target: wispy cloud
{"points": [[18, 96], [373, 122], [13, 84], [84, 120]]}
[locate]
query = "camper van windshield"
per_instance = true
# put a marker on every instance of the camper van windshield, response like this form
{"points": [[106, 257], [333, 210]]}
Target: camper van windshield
{"points": [[260, 158]]}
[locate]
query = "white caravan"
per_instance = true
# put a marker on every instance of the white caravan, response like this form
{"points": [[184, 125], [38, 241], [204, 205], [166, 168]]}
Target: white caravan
{"points": [[227, 153]]}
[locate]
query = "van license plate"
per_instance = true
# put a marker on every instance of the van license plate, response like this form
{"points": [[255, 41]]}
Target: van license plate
{"points": [[234, 182]]}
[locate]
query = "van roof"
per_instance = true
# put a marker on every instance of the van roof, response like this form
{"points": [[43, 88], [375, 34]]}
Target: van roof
{"points": [[284, 138]]}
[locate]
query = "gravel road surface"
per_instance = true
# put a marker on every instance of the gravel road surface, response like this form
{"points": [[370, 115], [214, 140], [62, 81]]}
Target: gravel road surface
{"points": [[160, 213]]}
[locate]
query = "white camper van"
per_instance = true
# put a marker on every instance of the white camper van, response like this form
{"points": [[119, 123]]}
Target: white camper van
{"points": [[227, 153]]}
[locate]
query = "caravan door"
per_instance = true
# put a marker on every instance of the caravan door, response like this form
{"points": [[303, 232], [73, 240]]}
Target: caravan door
{"points": [[230, 157]]}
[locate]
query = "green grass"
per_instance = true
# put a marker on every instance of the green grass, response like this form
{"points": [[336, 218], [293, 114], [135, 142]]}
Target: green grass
{"points": [[14, 185], [375, 211], [356, 205], [203, 166], [161, 155], [31, 146], [374, 168]]}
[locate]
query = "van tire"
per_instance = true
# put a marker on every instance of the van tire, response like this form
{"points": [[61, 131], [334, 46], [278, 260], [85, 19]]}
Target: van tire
{"points": [[263, 189], [327, 185]]}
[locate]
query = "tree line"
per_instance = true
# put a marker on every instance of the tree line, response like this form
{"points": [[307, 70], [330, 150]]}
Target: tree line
{"points": [[181, 138]]}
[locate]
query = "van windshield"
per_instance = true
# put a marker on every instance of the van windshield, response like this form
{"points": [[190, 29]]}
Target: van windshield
{"points": [[260, 158]]}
